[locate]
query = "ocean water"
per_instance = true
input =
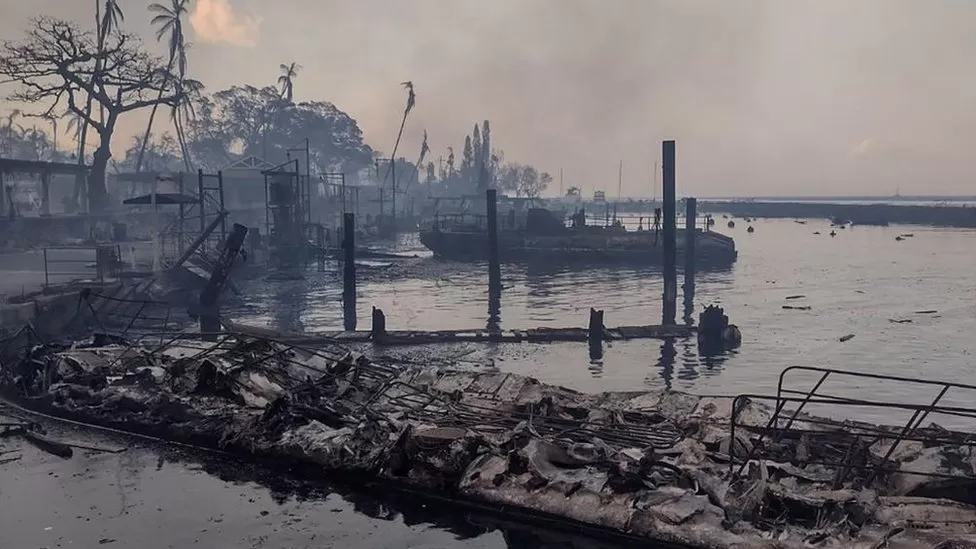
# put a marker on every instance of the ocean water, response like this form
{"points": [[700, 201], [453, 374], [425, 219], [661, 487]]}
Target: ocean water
{"points": [[859, 282], [906, 302]]}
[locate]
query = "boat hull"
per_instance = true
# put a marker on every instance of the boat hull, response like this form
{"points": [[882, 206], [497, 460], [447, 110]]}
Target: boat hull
{"points": [[711, 249]]}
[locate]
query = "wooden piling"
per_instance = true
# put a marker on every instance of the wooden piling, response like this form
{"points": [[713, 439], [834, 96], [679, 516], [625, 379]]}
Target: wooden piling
{"points": [[349, 271], [691, 216], [494, 268], [670, 235], [595, 335], [379, 325], [595, 331]]}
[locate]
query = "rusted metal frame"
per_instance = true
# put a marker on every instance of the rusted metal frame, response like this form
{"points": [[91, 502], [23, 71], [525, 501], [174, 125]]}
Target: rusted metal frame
{"points": [[133, 320], [810, 395], [909, 428], [907, 432], [881, 377]]}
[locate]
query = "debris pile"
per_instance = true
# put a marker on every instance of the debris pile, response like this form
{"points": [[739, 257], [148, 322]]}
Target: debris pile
{"points": [[667, 467]]}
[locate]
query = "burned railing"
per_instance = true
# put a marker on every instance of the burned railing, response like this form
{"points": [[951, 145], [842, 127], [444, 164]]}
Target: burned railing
{"points": [[792, 436]]}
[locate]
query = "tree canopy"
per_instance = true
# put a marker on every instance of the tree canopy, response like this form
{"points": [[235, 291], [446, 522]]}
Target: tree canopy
{"points": [[247, 120], [58, 65]]}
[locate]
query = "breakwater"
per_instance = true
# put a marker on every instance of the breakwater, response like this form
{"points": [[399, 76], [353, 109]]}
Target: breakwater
{"points": [[860, 214]]}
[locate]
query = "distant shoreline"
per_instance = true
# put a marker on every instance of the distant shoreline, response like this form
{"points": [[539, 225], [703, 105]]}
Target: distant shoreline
{"points": [[937, 215]]}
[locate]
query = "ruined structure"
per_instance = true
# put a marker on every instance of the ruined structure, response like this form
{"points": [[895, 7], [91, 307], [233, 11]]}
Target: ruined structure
{"points": [[665, 467]]}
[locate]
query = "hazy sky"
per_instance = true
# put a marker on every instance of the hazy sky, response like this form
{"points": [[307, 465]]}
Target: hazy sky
{"points": [[764, 97]]}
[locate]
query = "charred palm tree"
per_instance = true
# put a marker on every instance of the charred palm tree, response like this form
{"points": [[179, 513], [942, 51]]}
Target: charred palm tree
{"points": [[411, 101], [189, 91], [169, 20], [287, 80]]}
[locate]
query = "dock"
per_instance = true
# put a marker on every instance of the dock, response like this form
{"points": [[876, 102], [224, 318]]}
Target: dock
{"points": [[418, 337]]}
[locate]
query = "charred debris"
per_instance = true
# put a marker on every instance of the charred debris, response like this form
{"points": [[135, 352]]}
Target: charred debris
{"points": [[754, 471]]}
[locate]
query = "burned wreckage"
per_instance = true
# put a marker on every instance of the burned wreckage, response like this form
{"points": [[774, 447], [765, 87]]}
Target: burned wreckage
{"points": [[666, 467]]}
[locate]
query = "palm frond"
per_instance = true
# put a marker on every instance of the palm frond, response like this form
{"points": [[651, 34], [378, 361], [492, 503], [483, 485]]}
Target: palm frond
{"points": [[411, 96]]}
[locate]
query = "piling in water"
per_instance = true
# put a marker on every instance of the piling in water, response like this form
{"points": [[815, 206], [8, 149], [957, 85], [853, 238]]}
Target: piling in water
{"points": [[379, 324], [349, 271], [670, 236], [595, 334], [494, 269], [691, 215]]}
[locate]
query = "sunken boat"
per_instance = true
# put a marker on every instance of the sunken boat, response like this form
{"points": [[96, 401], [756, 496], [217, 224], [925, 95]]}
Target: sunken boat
{"points": [[542, 235], [665, 468]]}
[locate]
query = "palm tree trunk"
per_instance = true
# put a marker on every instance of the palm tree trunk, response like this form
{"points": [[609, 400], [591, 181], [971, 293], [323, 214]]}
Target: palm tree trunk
{"points": [[145, 138], [152, 114], [393, 165], [181, 138]]}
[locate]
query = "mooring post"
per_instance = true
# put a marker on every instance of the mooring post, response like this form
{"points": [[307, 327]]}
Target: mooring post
{"points": [[379, 324], [595, 334], [349, 271], [320, 245], [670, 236], [494, 269], [691, 216]]}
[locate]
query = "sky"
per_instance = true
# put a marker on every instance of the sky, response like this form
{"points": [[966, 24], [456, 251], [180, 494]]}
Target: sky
{"points": [[763, 97]]}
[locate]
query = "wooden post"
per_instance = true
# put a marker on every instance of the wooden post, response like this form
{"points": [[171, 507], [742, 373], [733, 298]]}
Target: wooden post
{"points": [[494, 268], [595, 334], [349, 271], [670, 236], [691, 216], [379, 324]]}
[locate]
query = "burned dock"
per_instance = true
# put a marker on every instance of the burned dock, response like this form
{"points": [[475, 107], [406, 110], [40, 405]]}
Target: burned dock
{"points": [[664, 467]]}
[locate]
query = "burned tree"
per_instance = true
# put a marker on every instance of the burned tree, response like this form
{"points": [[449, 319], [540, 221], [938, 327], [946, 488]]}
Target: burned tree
{"points": [[60, 65]]}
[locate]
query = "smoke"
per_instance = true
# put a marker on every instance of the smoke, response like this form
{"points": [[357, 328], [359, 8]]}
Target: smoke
{"points": [[215, 21]]}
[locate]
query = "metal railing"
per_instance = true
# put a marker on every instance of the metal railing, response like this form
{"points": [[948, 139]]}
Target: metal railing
{"points": [[104, 262], [846, 441]]}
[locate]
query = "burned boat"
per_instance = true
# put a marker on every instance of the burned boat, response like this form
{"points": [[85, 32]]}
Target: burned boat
{"points": [[662, 467], [543, 236]]}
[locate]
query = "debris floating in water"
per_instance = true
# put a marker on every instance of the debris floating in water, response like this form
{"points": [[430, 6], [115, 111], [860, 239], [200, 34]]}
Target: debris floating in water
{"points": [[848, 337]]}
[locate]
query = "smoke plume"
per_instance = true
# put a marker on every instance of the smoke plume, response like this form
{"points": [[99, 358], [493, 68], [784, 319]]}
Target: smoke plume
{"points": [[216, 21]]}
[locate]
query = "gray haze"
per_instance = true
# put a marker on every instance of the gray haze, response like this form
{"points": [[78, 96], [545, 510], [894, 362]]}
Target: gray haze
{"points": [[774, 97]]}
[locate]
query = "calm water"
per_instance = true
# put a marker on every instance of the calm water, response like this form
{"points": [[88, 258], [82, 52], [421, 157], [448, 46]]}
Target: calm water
{"points": [[855, 283]]}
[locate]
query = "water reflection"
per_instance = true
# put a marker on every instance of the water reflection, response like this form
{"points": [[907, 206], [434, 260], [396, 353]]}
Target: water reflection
{"points": [[494, 309], [385, 503], [291, 299], [665, 363]]}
